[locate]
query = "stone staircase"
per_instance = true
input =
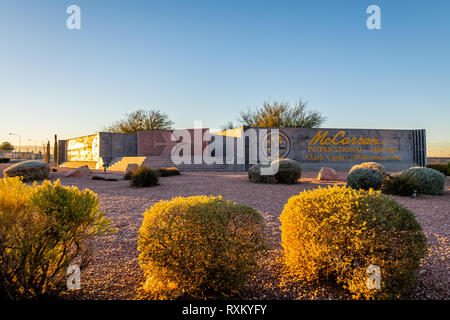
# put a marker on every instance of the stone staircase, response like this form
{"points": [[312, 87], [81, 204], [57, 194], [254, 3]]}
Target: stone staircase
{"points": [[121, 163], [160, 162]]}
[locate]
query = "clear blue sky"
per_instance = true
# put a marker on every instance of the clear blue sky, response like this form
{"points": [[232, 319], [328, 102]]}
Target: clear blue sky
{"points": [[207, 60]]}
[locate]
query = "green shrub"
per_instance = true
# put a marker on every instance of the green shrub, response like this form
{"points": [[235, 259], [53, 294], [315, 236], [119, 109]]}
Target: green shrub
{"points": [[338, 232], [144, 177], [372, 165], [127, 175], [167, 172], [430, 181], [42, 230], [401, 185], [289, 171], [443, 168], [199, 247], [364, 178], [255, 176], [4, 160], [28, 170]]}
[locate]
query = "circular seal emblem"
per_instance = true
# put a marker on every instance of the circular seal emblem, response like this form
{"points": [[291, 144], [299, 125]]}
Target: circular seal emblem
{"points": [[284, 144]]}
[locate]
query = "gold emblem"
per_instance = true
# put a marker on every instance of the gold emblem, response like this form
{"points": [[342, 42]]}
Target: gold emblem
{"points": [[284, 144]]}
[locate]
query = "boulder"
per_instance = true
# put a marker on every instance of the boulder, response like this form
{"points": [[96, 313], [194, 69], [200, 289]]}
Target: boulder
{"points": [[129, 170], [79, 172], [131, 167], [29, 170], [327, 174]]}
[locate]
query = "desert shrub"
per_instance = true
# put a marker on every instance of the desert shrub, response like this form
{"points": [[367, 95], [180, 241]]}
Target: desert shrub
{"points": [[255, 176], [28, 170], [144, 177], [199, 247], [42, 230], [127, 175], [372, 165], [4, 160], [289, 171], [364, 178], [338, 232], [167, 172], [401, 185], [430, 181], [443, 168]]}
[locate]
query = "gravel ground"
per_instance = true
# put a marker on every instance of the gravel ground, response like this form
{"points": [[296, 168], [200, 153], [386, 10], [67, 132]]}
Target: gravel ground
{"points": [[115, 273]]}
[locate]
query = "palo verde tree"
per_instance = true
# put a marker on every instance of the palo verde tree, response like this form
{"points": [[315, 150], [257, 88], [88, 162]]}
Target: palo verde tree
{"points": [[6, 146], [142, 120], [282, 115]]}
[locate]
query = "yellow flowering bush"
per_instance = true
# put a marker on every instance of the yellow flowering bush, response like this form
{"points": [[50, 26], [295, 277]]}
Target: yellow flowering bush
{"points": [[42, 229], [338, 232], [199, 247]]}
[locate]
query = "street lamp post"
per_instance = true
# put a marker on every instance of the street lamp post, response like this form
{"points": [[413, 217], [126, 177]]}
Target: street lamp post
{"points": [[35, 144], [20, 138]]}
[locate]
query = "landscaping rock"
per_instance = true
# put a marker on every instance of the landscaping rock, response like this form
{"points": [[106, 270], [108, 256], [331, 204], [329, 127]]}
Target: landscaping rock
{"points": [[79, 172], [131, 167], [327, 174], [29, 170]]}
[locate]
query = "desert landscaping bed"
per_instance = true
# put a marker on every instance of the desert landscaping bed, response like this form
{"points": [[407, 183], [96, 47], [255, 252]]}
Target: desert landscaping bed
{"points": [[115, 273]]}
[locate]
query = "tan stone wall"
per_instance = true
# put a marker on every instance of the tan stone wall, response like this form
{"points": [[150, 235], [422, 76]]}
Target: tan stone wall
{"points": [[83, 148]]}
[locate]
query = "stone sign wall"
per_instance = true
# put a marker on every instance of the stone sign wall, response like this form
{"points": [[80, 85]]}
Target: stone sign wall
{"points": [[113, 145], [342, 148], [83, 148], [158, 143], [100, 147], [339, 149]]}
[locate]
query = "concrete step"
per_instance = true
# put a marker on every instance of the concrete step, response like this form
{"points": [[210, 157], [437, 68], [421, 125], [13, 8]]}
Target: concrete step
{"points": [[186, 167], [77, 164], [121, 164]]}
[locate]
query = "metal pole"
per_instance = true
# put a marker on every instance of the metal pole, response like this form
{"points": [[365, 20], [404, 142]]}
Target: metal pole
{"points": [[20, 138]]}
